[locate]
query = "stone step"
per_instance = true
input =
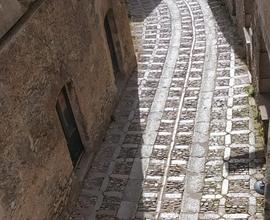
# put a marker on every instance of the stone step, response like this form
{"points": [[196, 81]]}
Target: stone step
{"points": [[265, 121]]}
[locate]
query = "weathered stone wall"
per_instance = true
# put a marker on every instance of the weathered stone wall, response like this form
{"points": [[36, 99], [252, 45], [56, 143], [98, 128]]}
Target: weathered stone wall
{"points": [[253, 22], [264, 16], [241, 11], [240, 16], [231, 6], [61, 42], [255, 35], [264, 19], [10, 12], [259, 33]]}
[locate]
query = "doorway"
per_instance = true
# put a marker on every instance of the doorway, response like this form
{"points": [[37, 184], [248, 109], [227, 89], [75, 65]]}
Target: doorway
{"points": [[264, 68], [69, 127], [233, 8]]}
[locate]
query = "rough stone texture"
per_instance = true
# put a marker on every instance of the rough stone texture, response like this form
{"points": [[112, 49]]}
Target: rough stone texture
{"points": [[10, 12], [61, 42], [263, 9], [240, 15], [253, 16], [231, 5]]}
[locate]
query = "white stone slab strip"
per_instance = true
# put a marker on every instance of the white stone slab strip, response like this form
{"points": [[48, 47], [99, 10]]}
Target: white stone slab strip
{"points": [[199, 147]]}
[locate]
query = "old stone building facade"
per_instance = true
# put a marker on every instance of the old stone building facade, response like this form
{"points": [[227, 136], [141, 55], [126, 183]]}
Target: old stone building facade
{"points": [[253, 21], [62, 66]]}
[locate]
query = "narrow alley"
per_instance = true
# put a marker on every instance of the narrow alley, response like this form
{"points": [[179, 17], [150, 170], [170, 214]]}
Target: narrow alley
{"points": [[184, 142]]}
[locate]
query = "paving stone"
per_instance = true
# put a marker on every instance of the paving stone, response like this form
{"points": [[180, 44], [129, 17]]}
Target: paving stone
{"points": [[182, 142], [127, 210]]}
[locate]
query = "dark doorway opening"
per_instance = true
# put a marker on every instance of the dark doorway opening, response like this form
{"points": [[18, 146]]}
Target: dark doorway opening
{"points": [[264, 68], [69, 126], [234, 8], [248, 8], [110, 28]]}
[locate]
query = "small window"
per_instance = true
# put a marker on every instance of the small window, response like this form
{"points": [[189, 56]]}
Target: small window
{"points": [[69, 126]]}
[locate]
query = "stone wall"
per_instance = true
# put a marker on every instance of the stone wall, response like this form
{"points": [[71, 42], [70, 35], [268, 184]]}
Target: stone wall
{"points": [[231, 7], [61, 43], [264, 16], [263, 7], [10, 12], [253, 22]]}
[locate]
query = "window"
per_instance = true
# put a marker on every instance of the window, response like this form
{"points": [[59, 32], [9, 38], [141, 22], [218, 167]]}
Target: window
{"points": [[69, 126]]}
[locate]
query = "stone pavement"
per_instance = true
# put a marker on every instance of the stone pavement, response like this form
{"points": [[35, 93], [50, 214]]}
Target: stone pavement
{"points": [[185, 142]]}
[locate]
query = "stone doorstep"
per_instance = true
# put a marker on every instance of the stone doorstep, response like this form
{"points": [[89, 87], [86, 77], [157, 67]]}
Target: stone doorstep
{"points": [[265, 120]]}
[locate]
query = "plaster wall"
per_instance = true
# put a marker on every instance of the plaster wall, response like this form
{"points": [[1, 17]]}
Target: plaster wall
{"points": [[62, 43]]}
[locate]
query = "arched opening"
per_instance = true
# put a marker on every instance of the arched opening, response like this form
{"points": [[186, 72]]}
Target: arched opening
{"points": [[69, 126], [111, 36]]}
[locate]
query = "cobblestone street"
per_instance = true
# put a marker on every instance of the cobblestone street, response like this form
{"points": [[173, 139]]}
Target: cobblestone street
{"points": [[184, 142]]}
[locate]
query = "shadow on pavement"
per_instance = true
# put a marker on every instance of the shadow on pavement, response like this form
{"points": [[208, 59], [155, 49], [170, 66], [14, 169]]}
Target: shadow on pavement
{"points": [[240, 161], [122, 183], [226, 26], [139, 10]]}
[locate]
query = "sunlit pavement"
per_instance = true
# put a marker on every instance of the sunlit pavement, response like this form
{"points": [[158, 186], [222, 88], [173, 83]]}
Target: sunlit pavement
{"points": [[184, 143]]}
